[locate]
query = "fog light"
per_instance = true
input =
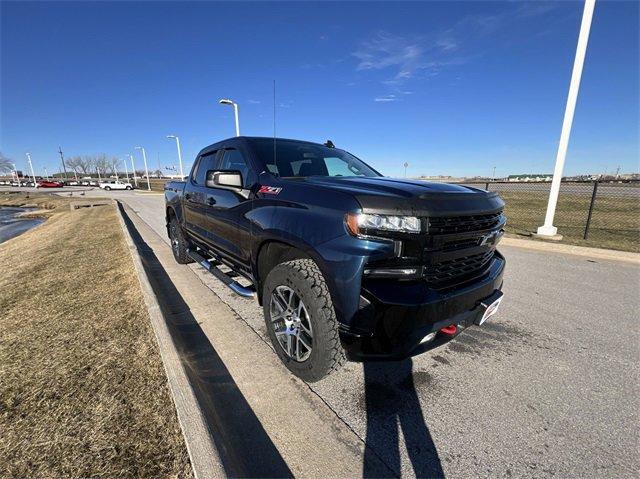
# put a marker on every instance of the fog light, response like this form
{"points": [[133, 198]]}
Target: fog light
{"points": [[391, 272]]}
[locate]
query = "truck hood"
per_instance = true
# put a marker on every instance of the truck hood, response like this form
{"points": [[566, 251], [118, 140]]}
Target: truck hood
{"points": [[410, 197]]}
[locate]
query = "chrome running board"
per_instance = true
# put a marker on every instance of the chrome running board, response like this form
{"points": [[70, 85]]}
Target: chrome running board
{"points": [[243, 291]]}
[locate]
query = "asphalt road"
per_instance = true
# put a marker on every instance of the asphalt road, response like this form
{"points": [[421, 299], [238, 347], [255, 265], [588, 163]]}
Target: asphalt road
{"points": [[548, 387]]}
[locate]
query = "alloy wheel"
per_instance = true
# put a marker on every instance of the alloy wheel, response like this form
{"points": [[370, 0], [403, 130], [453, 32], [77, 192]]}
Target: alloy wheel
{"points": [[291, 323]]}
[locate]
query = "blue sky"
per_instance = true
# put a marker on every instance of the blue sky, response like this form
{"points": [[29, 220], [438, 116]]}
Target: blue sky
{"points": [[452, 88]]}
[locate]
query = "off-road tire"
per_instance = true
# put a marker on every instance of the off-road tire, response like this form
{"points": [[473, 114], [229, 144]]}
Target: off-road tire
{"points": [[179, 244], [304, 277]]}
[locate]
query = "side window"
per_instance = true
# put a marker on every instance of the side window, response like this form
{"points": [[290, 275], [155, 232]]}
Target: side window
{"points": [[233, 160], [196, 167], [338, 167], [207, 162]]}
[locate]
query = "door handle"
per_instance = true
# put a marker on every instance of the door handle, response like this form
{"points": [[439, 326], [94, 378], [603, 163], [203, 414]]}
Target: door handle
{"points": [[211, 201], [187, 197]]}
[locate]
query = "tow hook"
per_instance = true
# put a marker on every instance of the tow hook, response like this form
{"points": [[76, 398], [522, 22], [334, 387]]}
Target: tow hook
{"points": [[449, 330]]}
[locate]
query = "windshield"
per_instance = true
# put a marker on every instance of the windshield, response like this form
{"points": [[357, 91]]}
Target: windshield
{"points": [[300, 159]]}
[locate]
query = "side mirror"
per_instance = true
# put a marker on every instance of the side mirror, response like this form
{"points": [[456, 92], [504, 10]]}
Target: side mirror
{"points": [[232, 179]]}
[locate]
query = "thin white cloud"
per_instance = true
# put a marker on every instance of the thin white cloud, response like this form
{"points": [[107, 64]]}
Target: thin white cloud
{"points": [[385, 98], [407, 57], [254, 102]]}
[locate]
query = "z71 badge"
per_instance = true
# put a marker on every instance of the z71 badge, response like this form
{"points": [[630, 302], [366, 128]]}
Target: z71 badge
{"points": [[270, 190]]}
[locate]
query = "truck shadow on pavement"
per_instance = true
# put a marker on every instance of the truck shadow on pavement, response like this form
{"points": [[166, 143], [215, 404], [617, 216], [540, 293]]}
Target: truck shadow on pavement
{"points": [[244, 446], [392, 404]]}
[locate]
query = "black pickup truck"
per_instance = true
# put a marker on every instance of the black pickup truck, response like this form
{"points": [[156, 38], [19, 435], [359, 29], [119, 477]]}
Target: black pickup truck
{"points": [[345, 262]]}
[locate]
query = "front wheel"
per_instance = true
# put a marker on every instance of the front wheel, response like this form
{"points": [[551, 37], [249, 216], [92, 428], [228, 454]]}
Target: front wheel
{"points": [[128, 188], [108, 188], [301, 321]]}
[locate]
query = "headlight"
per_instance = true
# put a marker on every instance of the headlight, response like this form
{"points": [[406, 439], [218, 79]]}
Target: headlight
{"points": [[363, 223]]}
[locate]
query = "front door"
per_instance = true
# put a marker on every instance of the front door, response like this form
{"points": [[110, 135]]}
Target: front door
{"points": [[226, 213]]}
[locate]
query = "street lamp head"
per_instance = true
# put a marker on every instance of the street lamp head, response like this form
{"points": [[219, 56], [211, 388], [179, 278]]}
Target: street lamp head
{"points": [[171, 136], [138, 148], [226, 101]]}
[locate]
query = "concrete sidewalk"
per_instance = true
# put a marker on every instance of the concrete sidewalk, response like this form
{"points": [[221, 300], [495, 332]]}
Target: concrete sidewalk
{"points": [[263, 421]]}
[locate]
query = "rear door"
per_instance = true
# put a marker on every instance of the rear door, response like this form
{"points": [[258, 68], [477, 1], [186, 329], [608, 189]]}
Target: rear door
{"points": [[196, 196]]}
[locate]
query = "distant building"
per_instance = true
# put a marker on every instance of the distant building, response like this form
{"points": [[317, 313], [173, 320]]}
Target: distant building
{"points": [[530, 177]]}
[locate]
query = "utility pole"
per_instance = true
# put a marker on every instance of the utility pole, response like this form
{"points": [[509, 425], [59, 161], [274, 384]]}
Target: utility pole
{"points": [[179, 154], [494, 173], [31, 167], [126, 170], [64, 167], [547, 229], [133, 167], [146, 169]]}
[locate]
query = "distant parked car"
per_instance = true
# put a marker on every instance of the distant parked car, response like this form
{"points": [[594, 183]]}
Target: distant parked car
{"points": [[74, 183], [116, 185], [49, 184]]}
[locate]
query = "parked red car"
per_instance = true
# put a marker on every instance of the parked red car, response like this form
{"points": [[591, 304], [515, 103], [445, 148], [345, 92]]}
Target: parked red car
{"points": [[49, 184]]}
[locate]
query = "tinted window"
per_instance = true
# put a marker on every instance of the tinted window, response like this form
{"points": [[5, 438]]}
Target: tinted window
{"points": [[207, 162], [233, 160], [296, 158]]}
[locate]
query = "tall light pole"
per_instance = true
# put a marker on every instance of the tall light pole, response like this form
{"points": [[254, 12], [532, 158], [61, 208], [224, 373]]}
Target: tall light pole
{"points": [[146, 170], [179, 153], [126, 170], [226, 101], [405, 168], [64, 167], [46, 175], [31, 166], [494, 174], [133, 168], [16, 171], [548, 229]]}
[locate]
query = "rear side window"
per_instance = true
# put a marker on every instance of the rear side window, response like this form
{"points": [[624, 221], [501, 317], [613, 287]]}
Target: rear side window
{"points": [[205, 163]]}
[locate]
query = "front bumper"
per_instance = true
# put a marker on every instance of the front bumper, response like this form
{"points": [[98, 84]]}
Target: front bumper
{"points": [[395, 316]]}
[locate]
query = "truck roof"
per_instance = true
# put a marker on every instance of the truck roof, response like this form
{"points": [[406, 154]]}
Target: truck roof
{"points": [[248, 139]]}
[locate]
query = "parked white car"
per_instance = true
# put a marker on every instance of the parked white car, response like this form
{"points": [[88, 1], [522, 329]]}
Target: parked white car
{"points": [[116, 185]]}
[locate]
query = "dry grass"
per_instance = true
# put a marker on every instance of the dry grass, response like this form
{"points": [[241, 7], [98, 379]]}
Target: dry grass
{"points": [[82, 388]]}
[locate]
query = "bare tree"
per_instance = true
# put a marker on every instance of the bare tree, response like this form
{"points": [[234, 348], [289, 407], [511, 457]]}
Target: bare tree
{"points": [[74, 163], [114, 164], [102, 164], [84, 163], [6, 165]]}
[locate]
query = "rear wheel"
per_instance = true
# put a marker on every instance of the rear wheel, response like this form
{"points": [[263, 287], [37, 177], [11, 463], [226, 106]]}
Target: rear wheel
{"points": [[108, 188], [179, 244], [301, 321]]}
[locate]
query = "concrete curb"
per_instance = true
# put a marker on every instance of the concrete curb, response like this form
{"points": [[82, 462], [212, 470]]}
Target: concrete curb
{"points": [[605, 254], [205, 458]]}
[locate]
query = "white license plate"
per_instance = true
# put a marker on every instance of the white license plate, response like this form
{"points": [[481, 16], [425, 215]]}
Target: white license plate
{"points": [[491, 310]]}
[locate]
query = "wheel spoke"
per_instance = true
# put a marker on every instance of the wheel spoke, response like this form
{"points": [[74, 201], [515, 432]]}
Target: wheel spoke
{"points": [[298, 346], [289, 345], [300, 339], [279, 301]]}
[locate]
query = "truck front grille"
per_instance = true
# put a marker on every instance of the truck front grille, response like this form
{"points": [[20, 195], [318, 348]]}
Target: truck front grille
{"points": [[463, 224], [454, 271]]}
